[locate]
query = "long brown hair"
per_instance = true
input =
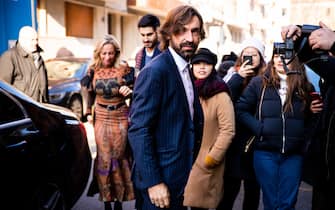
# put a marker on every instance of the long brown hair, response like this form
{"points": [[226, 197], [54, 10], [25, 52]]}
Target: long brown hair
{"points": [[296, 82], [175, 20]]}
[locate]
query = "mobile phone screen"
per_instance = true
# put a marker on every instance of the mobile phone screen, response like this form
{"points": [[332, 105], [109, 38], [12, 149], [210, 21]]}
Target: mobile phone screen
{"points": [[247, 58]]}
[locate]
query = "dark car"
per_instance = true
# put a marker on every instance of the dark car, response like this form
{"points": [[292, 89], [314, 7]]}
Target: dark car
{"points": [[64, 75], [44, 154]]}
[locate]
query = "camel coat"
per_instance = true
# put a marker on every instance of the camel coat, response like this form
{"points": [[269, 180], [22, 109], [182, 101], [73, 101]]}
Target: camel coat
{"points": [[204, 187]]}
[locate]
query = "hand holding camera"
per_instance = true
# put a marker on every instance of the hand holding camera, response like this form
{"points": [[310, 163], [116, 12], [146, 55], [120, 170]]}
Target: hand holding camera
{"points": [[323, 38], [291, 31], [310, 42]]}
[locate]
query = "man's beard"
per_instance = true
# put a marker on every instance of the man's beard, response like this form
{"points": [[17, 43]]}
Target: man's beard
{"points": [[150, 44], [186, 54]]}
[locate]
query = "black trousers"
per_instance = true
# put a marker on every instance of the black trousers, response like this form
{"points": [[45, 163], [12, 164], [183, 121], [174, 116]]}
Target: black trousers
{"points": [[323, 197], [231, 189]]}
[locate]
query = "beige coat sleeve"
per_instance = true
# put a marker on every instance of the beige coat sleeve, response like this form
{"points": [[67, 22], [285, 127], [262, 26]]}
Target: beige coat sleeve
{"points": [[226, 123]]}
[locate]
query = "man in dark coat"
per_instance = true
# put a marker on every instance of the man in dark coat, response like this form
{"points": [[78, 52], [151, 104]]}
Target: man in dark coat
{"points": [[22, 66], [166, 118], [321, 150]]}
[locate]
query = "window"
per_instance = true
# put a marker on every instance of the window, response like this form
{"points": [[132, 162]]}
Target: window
{"points": [[78, 20], [283, 12], [110, 23], [10, 110], [252, 5], [236, 34], [328, 11], [263, 11]]}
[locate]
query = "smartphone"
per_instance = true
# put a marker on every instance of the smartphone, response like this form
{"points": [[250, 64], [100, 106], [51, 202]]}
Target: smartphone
{"points": [[315, 96], [247, 58]]}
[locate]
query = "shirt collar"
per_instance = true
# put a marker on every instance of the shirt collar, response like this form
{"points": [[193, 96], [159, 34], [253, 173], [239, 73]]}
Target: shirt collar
{"points": [[180, 62]]}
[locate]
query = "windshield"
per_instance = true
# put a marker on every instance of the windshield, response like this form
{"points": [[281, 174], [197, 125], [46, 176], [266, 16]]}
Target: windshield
{"points": [[63, 69]]}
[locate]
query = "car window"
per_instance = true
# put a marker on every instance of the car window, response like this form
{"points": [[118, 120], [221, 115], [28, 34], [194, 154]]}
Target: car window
{"points": [[10, 109], [58, 69]]}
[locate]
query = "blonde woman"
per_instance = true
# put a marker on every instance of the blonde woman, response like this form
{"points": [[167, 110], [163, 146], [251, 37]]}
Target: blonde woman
{"points": [[109, 89]]}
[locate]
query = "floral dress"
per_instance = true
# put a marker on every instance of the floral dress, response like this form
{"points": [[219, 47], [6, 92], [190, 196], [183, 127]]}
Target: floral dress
{"points": [[112, 165]]}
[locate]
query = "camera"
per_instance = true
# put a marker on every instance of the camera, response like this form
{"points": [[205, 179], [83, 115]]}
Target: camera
{"points": [[247, 58], [301, 45], [306, 29], [284, 48]]}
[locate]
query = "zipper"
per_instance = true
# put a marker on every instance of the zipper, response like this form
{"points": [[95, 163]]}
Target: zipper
{"points": [[283, 121], [284, 139]]}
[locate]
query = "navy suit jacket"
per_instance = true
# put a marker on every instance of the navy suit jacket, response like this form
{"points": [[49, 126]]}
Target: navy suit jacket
{"points": [[161, 132]]}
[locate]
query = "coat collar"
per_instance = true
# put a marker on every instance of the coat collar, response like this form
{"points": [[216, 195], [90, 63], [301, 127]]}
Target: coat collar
{"points": [[24, 53]]}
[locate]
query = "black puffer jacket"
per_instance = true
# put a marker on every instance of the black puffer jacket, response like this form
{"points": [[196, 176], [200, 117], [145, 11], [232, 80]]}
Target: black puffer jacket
{"points": [[275, 131]]}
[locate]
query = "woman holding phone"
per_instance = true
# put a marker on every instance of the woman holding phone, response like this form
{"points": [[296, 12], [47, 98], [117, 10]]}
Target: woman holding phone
{"points": [[239, 166], [280, 98]]}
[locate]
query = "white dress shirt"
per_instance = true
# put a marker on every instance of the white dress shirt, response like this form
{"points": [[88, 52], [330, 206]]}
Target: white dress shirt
{"points": [[183, 68]]}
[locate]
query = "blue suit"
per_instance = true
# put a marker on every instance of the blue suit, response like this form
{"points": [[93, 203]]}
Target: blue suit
{"points": [[161, 133]]}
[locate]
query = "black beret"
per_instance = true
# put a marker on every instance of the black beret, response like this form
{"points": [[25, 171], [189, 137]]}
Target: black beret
{"points": [[205, 55]]}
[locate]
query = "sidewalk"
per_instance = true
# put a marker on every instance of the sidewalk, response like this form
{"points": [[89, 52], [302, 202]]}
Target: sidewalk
{"points": [[304, 198]]}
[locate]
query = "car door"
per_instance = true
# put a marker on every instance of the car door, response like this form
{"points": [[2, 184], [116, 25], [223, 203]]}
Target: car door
{"points": [[20, 157]]}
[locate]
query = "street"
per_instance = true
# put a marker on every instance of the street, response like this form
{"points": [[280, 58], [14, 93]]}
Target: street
{"points": [[92, 203]]}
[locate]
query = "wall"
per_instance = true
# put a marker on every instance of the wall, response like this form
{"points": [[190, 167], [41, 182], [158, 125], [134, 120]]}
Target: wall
{"points": [[54, 37], [13, 15]]}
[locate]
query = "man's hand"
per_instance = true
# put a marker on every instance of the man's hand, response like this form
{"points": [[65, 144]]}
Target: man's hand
{"points": [[322, 38], [159, 195], [291, 31], [316, 106]]}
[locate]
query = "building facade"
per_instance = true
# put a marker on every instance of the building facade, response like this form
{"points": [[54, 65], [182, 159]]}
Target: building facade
{"points": [[78, 24], [14, 15]]}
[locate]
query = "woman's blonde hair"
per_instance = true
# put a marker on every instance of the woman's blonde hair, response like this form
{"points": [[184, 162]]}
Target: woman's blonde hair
{"points": [[108, 39]]}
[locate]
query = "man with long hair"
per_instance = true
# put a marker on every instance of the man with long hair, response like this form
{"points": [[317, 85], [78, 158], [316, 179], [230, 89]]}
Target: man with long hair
{"points": [[166, 117]]}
